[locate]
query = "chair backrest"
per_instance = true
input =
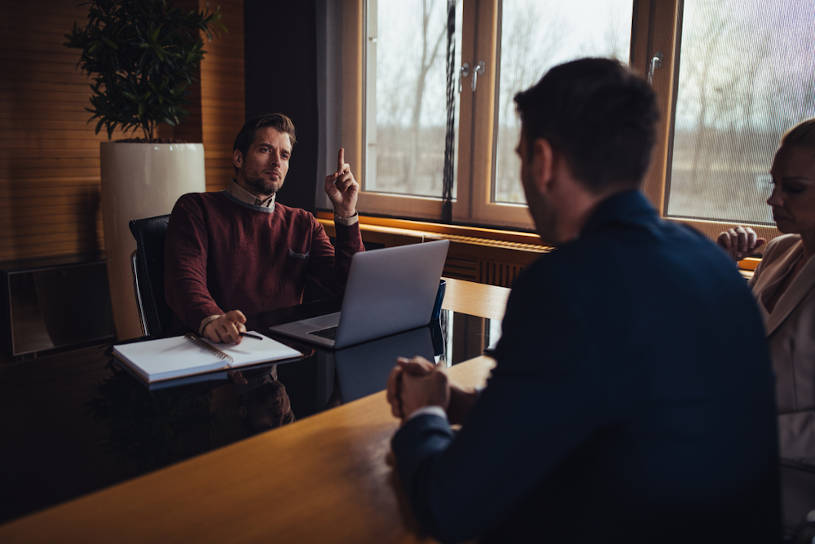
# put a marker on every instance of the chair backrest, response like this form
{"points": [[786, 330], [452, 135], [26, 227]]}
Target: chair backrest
{"points": [[148, 274]]}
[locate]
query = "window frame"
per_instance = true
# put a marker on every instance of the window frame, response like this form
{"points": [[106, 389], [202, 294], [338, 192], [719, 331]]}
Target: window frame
{"points": [[474, 170], [655, 28], [482, 158], [664, 36]]}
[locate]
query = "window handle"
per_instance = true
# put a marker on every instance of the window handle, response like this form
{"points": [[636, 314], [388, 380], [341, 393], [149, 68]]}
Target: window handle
{"points": [[463, 73], [479, 68], [656, 62]]}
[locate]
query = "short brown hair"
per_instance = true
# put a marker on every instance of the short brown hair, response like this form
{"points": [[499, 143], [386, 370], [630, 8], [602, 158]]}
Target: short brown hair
{"points": [[275, 120], [599, 114], [801, 135]]}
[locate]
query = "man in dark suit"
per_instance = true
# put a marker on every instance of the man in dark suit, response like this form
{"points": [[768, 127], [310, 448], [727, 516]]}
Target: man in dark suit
{"points": [[632, 398]]}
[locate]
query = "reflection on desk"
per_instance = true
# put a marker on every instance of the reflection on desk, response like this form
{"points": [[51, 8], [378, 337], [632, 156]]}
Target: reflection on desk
{"points": [[76, 424], [322, 479]]}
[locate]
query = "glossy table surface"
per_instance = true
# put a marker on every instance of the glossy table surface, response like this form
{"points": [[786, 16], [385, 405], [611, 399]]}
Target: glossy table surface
{"points": [[79, 423], [75, 425], [324, 479]]}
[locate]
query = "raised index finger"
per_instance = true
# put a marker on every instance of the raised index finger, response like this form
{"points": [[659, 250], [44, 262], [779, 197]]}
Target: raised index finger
{"points": [[340, 159]]}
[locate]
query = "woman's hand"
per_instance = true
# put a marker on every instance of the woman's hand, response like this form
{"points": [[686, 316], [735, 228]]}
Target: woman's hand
{"points": [[739, 242]]}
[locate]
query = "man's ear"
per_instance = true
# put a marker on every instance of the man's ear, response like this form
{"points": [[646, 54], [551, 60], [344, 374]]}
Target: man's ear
{"points": [[543, 164], [237, 158]]}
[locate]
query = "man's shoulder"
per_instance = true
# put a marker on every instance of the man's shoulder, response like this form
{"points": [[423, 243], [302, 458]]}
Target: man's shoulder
{"points": [[291, 211], [656, 254], [292, 215], [189, 200], [629, 244], [207, 207]]}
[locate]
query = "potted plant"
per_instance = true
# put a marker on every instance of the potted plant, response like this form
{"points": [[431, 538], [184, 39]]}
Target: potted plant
{"points": [[141, 56]]}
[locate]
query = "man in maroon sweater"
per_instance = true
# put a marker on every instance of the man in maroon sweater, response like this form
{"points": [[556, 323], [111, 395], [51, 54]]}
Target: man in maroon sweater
{"points": [[237, 252]]}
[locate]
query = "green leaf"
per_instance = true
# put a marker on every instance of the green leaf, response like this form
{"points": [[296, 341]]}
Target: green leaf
{"points": [[140, 56]]}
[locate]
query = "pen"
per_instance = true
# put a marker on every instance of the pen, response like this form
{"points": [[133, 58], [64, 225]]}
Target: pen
{"points": [[250, 335]]}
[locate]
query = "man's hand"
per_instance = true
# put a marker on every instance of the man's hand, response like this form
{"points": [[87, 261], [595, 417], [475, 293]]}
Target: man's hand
{"points": [[418, 366], [415, 383], [342, 188], [227, 328], [739, 242]]}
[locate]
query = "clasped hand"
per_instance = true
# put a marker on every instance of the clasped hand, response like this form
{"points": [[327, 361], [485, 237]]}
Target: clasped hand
{"points": [[415, 383], [739, 242], [342, 188]]}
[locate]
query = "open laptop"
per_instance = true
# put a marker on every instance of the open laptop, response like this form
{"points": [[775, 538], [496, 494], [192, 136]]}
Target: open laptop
{"points": [[388, 291]]}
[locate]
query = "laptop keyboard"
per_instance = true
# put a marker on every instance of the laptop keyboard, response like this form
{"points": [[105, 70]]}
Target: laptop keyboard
{"points": [[330, 333]]}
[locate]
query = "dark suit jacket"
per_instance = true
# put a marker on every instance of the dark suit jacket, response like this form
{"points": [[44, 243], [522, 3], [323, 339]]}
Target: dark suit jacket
{"points": [[632, 401]]}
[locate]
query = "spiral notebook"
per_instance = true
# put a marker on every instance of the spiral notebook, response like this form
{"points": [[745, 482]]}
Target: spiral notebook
{"points": [[168, 358]]}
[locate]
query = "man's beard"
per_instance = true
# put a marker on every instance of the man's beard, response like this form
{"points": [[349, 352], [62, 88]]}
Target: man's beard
{"points": [[263, 186], [544, 216]]}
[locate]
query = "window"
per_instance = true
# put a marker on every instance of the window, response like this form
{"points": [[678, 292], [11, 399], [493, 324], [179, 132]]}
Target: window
{"points": [[528, 49], [730, 75], [746, 74], [405, 96]]}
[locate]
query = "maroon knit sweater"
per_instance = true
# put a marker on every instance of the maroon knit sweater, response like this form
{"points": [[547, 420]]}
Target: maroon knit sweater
{"points": [[222, 255]]}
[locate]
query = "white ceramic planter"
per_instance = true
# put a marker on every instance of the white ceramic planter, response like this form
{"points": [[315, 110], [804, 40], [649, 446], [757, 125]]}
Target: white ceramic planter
{"points": [[140, 180]]}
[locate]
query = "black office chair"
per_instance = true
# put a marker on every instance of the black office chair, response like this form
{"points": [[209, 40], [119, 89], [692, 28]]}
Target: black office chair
{"points": [[147, 263]]}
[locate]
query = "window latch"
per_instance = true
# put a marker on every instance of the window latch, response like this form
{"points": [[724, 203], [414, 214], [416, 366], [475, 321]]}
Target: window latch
{"points": [[656, 62], [463, 73], [479, 68]]}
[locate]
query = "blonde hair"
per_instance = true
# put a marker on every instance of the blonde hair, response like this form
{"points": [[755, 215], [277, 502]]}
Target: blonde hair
{"points": [[801, 135]]}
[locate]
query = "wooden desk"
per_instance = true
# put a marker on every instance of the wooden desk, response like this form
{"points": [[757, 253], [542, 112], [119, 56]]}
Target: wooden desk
{"points": [[475, 298], [323, 479]]}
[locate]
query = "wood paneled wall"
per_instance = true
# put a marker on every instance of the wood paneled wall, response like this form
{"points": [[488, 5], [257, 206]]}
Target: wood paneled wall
{"points": [[222, 94], [49, 155]]}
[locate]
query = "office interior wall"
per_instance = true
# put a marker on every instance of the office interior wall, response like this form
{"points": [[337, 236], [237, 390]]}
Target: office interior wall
{"points": [[222, 94], [49, 154], [281, 77], [329, 93]]}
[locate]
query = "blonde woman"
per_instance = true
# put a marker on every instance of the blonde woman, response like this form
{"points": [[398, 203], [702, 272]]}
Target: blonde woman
{"points": [[784, 285]]}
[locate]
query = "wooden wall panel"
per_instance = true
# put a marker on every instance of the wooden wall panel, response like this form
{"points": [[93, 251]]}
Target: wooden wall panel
{"points": [[222, 94], [49, 155]]}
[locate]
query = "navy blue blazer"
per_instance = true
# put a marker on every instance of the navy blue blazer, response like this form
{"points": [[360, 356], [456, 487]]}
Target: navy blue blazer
{"points": [[632, 401]]}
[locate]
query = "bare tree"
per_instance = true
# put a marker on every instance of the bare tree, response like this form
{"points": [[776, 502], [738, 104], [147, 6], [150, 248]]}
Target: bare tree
{"points": [[732, 106], [429, 55]]}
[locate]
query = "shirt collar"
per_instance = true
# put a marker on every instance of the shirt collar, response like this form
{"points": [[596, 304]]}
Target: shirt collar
{"points": [[248, 198], [625, 207]]}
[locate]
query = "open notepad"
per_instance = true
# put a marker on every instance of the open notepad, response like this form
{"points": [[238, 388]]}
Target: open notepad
{"points": [[167, 358]]}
